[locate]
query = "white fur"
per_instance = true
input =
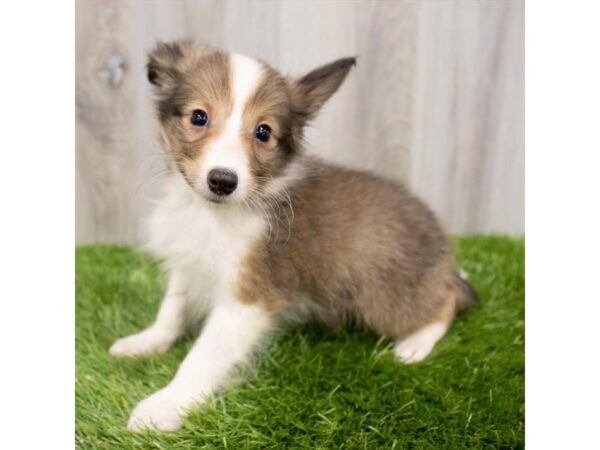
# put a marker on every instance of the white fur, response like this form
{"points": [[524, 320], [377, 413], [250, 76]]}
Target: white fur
{"points": [[203, 246], [227, 151], [168, 327], [418, 345], [231, 332], [295, 171], [205, 242]]}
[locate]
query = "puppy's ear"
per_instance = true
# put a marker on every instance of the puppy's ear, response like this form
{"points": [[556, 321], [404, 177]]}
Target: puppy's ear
{"points": [[315, 88], [163, 62]]}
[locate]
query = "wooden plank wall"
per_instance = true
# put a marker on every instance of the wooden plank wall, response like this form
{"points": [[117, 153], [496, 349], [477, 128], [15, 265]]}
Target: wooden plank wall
{"points": [[437, 98]]}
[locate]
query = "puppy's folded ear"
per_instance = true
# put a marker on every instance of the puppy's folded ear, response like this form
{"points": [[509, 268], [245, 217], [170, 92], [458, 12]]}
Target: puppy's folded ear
{"points": [[163, 62], [316, 87]]}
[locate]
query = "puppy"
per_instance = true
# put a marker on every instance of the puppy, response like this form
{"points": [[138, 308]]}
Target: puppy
{"points": [[254, 233]]}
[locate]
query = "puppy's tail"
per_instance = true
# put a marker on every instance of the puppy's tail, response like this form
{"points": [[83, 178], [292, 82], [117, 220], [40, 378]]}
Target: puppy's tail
{"points": [[467, 295]]}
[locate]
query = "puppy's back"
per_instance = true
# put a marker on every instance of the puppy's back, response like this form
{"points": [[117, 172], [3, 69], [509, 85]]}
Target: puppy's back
{"points": [[364, 249]]}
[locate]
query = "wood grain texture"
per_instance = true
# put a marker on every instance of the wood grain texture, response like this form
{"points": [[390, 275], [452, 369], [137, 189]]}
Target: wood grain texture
{"points": [[105, 147], [468, 146], [437, 99]]}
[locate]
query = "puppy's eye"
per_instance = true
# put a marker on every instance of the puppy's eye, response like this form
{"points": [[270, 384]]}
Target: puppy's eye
{"points": [[199, 118], [263, 133]]}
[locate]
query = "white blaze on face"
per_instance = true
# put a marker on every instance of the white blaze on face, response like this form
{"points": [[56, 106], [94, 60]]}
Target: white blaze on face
{"points": [[227, 151]]}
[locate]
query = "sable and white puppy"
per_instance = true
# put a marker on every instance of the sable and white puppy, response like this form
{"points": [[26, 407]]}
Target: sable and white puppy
{"points": [[254, 233]]}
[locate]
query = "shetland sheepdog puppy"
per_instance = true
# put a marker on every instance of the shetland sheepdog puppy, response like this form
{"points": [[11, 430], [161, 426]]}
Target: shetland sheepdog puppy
{"points": [[254, 233]]}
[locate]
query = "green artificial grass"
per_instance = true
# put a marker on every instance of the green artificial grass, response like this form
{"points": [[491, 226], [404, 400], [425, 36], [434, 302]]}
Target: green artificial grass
{"points": [[313, 388]]}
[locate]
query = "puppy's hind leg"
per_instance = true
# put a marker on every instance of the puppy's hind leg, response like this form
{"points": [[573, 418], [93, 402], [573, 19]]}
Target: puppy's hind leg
{"points": [[459, 296], [417, 346], [168, 327]]}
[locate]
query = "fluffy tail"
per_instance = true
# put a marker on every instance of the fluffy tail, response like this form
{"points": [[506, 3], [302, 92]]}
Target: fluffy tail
{"points": [[467, 295]]}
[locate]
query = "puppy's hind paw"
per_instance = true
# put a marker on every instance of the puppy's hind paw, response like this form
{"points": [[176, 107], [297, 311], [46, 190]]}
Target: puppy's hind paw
{"points": [[417, 346]]}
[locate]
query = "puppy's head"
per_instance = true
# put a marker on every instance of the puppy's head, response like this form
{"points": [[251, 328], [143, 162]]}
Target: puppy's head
{"points": [[232, 123]]}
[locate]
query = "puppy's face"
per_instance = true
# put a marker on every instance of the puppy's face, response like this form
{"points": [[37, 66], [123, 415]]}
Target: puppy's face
{"points": [[230, 122]]}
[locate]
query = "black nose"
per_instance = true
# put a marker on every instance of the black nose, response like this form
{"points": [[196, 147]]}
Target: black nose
{"points": [[222, 181]]}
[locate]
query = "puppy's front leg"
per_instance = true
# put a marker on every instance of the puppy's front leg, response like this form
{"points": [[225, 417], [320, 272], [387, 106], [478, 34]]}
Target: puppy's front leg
{"points": [[232, 330], [168, 327]]}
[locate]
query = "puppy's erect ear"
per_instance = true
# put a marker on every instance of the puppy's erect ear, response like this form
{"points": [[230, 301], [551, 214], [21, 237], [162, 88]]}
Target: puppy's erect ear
{"points": [[163, 62], [315, 88]]}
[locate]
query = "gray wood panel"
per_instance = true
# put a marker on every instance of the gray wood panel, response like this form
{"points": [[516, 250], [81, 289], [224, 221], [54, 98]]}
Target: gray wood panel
{"points": [[437, 98], [468, 148], [105, 146]]}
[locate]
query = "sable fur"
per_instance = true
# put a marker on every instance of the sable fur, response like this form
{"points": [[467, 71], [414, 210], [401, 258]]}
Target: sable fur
{"points": [[295, 238], [364, 249]]}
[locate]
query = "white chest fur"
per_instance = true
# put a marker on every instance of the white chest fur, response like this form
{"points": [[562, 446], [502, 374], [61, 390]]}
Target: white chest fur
{"points": [[204, 243]]}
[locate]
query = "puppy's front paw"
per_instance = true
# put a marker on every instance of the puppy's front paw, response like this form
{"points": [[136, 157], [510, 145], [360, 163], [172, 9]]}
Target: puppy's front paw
{"points": [[143, 343], [162, 411]]}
